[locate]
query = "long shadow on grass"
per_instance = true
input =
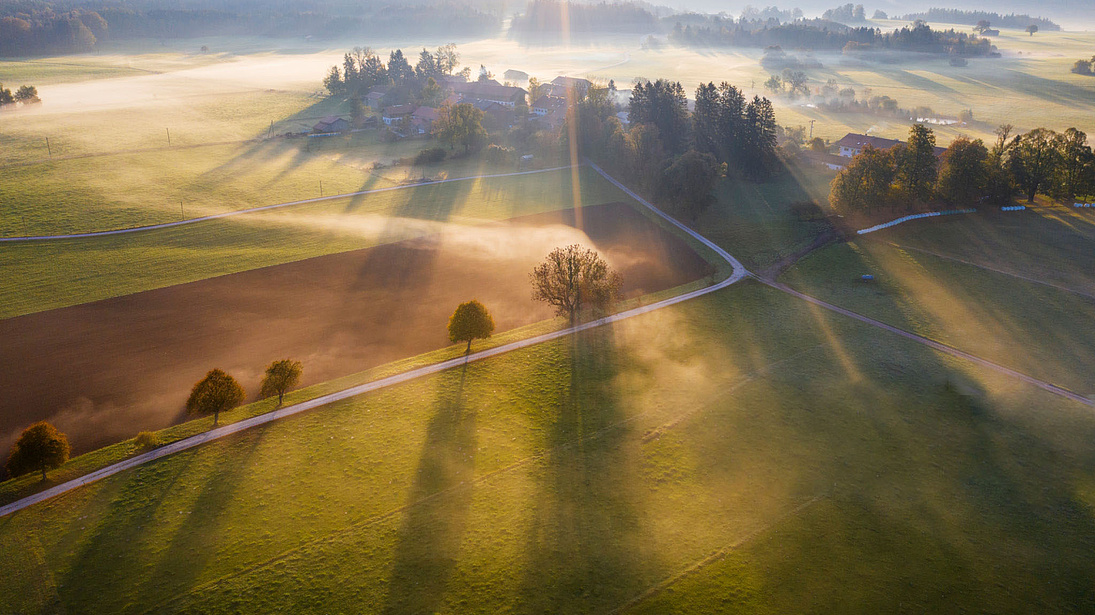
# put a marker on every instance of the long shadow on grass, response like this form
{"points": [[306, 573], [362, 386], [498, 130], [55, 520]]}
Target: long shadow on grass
{"points": [[429, 541], [115, 560], [584, 538], [939, 494]]}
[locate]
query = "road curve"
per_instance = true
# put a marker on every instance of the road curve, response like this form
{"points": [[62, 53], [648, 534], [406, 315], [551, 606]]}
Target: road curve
{"points": [[736, 275], [238, 212]]}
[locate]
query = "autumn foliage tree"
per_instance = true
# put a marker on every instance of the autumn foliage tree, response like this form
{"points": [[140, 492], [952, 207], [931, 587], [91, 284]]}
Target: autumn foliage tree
{"points": [[865, 184], [40, 447], [964, 172], [217, 392], [575, 278], [470, 321], [280, 377], [460, 124]]}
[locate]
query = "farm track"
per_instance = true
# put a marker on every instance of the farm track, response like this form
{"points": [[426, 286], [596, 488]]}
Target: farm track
{"points": [[738, 273]]}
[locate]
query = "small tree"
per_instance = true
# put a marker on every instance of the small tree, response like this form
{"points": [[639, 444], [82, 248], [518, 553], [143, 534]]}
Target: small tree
{"points": [[470, 321], [217, 392], [40, 447], [27, 94], [964, 173], [573, 278], [917, 166], [689, 181], [1032, 29], [865, 184], [280, 377]]}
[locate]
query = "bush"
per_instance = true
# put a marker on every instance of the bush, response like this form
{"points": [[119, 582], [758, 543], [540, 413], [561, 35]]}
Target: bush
{"points": [[432, 155], [388, 136], [146, 440], [499, 154]]}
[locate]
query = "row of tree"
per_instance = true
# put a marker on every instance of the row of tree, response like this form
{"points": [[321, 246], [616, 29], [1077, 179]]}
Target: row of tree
{"points": [[362, 70], [1041, 161], [823, 34], [574, 280], [26, 94], [1011, 20], [1084, 67]]}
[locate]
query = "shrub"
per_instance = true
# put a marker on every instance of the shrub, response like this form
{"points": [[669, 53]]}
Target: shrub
{"points": [[432, 155], [388, 136], [499, 154], [146, 440]]}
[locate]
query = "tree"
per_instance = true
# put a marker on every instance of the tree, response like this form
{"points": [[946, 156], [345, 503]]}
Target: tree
{"points": [[964, 173], [333, 81], [690, 179], [398, 68], [460, 124], [982, 25], [470, 321], [917, 165], [1032, 29], [5, 96], [1033, 160], [663, 104], [864, 185], [27, 94], [572, 278], [427, 66], [40, 447], [774, 84], [758, 146], [796, 81], [217, 392], [1073, 171], [280, 377], [447, 58]]}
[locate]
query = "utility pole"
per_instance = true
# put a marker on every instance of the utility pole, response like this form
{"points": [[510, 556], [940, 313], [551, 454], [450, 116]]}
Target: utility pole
{"points": [[182, 210], [812, 128], [48, 149], [271, 133], [168, 136], [321, 187]]}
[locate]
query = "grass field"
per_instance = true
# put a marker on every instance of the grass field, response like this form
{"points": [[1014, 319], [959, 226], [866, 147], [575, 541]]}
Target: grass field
{"points": [[576, 475], [49, 274], [1040, 330]]}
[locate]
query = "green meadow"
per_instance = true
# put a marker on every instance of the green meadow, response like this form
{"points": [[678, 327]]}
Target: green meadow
{"points": [[739, 452]]}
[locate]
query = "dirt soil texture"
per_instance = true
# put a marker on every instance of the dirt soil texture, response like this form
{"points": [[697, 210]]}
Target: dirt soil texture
{"points": [[103, 371]]}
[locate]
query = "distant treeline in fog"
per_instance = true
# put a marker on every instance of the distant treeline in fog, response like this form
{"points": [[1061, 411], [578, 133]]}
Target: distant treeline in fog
{"points": [[972, 17], [553, 17], [822, 34], [31, 28]]}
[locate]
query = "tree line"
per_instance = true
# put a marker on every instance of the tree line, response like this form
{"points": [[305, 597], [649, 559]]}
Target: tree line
{"points": [[26, 94], [362, 70], [824, 34], [1059, 165], [71, 27], [1011, 20]]}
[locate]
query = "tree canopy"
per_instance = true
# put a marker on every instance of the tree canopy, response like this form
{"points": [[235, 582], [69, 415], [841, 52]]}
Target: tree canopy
{"points": [[460, 124], [575, 278], [470, 321], [280, 377], [217, 392], [40, 448]]}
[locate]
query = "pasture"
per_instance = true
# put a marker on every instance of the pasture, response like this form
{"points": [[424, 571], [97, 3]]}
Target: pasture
{"points": [[778, 457]]}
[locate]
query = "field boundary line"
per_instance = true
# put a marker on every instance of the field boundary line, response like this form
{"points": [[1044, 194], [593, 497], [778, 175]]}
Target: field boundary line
{"points": [[955, 259], [939, 346], [122, 152], [239, 212], [739, 272], [715, 556]]}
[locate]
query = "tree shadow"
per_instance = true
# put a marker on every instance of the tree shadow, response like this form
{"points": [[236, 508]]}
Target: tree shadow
{"points": [[429, 542], [584, 540]]}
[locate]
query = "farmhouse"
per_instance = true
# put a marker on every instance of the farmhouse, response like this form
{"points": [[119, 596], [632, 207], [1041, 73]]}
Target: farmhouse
{"points": [[394, 115], [549, 104], [423, 118], [330, 124], [852, 144], [491, 91], [577, 85]]}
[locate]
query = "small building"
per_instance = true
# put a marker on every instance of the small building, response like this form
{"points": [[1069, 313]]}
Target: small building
{"points": [[830, 161], [373, 98], [515, 75], [577, 85], [423, 118], [394, 115], [492, 91], [990, 32], [330, 125]]}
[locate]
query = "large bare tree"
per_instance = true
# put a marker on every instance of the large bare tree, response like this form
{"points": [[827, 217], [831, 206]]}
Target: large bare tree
{"points": [[575, 278]]}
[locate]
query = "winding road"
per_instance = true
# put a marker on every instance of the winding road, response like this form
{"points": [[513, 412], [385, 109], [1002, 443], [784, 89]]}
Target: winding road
{"points": [[738, 273]]}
